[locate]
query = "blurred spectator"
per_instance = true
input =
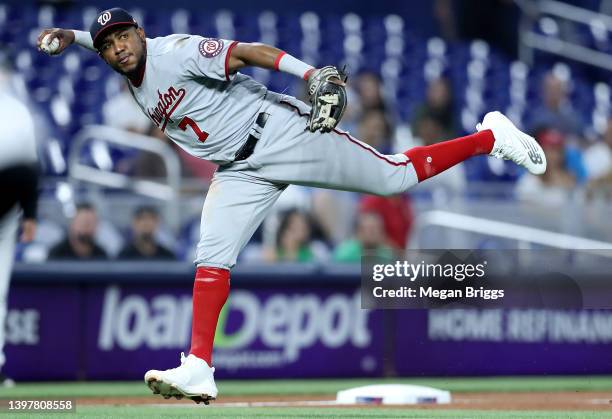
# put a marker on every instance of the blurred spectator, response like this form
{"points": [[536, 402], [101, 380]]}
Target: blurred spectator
{"points": [[598, 157], [334, 211], [444, 13], [396, 214], [122, 111], [369, 239], [370, 92], [556, 110], [150, 165], [439, 106], [598, 161], [294, 240], [375, 130], [350, 119], [79, 242], [327, 212], [428, 129], [144, 245], [555, 185], [495, 21]]}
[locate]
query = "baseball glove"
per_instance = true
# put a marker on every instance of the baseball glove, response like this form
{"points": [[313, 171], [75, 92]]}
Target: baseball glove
{"points": [[328, 98]]}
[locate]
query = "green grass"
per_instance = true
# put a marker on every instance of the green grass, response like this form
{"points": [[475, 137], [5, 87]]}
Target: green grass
{"points": [[260, 412], [315, 387], [308, 388]]}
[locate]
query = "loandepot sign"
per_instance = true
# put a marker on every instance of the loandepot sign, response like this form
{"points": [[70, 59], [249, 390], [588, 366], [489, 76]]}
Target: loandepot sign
{"points": [[273, 332], [253, 332]]}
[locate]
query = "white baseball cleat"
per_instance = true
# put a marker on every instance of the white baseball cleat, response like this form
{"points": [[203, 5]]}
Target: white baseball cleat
{"points": [[192, 379], [513, 144]]}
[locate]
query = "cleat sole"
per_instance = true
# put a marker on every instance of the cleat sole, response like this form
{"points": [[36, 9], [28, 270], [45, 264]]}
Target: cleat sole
{"points": [[168, 391]]}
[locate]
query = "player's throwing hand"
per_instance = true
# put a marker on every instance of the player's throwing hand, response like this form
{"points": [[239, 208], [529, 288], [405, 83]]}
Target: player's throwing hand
{"points": [[64, 37]]}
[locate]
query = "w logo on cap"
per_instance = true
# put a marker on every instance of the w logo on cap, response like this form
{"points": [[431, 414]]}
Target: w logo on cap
{"points": [[104, 18]]}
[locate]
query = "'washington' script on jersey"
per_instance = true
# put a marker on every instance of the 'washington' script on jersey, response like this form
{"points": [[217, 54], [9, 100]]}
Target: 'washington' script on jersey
{"points": [[169, 100]]}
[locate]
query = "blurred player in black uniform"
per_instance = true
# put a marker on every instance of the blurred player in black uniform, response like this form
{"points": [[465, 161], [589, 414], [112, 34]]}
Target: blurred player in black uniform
{"points": [[18, 189]]}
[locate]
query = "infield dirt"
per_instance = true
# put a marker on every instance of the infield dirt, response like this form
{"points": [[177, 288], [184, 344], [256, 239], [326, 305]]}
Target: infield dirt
{"points": [[562, 401]]}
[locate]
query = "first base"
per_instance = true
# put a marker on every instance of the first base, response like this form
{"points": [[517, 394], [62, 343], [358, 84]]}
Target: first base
{"points": [[393, 394]]}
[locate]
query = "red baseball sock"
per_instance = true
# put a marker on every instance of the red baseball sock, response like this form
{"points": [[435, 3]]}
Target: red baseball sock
{"points": [[210, 291], [430, 160]]}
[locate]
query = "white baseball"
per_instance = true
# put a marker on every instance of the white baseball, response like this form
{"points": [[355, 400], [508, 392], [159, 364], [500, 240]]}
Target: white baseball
{"points": [[49, 47]]}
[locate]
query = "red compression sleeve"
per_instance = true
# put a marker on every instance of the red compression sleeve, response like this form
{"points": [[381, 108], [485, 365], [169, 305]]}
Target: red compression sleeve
{"points": [[210, 291], [430, 160]]}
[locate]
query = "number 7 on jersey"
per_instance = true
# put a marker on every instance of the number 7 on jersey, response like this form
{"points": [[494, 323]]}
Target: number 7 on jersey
{"points": [[202, 135]]}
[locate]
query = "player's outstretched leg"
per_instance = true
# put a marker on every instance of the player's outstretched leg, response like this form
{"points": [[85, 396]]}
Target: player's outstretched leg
{"points": [[194, 377], [496, 136]]}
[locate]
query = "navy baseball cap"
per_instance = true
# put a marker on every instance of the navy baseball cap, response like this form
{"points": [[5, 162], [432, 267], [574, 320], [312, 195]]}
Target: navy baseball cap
{"points": [[107, 20]]}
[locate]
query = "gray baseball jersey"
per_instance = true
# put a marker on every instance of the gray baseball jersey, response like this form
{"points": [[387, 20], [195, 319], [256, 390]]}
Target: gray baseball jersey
{"points": [[188, 92]]}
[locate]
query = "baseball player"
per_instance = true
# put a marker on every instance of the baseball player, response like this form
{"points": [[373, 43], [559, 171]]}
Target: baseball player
{"points": [[191, 88], [18, 190]]}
